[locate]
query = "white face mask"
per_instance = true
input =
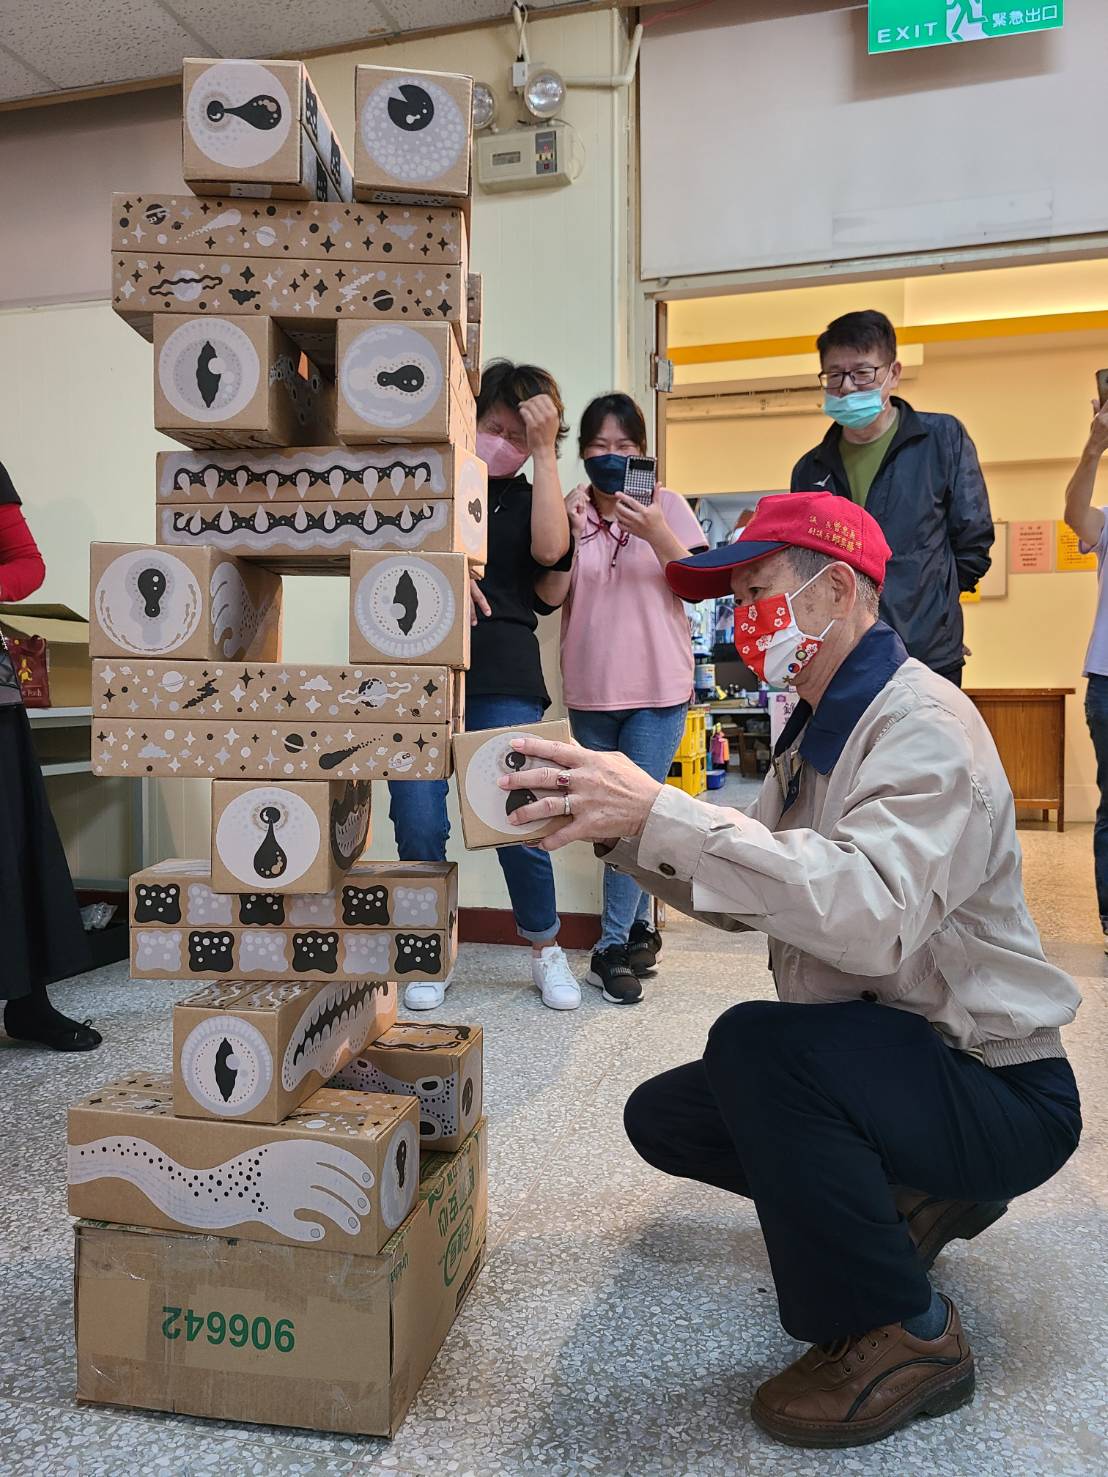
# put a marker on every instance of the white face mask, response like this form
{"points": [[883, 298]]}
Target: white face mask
{"points": [[771, 643]]}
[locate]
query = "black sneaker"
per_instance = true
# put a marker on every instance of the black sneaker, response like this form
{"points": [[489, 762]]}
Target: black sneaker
{"points": [[643, 947], [617, 981]]}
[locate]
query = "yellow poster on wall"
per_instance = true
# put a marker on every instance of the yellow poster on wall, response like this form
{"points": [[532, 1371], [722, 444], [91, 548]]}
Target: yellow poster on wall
{"points": [[1069, 556]]}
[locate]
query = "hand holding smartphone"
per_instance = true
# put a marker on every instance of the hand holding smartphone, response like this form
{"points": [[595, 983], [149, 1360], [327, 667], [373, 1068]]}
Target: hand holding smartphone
{"points": [[640, 477]]}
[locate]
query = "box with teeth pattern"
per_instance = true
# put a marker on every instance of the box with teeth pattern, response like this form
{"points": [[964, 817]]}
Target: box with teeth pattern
{"points": [[147, 601], [291, 954], [254, 1052], [414, 235], [341, 1170], [288, 837], [440, 1065]]}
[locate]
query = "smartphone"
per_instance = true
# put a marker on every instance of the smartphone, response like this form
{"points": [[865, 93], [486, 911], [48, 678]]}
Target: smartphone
{"points": [[1102, 386], [639, 479]]}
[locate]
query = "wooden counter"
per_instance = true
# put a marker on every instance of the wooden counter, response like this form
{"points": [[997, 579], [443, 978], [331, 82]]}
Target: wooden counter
{"points": [[1028, 725]]}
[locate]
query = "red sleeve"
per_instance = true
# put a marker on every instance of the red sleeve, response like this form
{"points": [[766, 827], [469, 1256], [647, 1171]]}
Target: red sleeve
{"points": [[22, 570]]}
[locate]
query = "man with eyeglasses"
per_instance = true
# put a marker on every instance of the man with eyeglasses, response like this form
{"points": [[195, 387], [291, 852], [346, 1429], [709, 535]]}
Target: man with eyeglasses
{"points": [[916, 473]]}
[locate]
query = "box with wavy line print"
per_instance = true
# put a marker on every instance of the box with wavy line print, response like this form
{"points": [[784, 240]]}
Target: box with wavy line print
{"points": [[307, 953], [438, 1064], [253, 1052], [341, 1171], [287, 836]]}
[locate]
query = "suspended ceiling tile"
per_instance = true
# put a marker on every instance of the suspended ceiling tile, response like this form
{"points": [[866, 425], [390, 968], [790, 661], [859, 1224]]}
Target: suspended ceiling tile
{"points": [[258, 28], [17, 80], [97, 41]]}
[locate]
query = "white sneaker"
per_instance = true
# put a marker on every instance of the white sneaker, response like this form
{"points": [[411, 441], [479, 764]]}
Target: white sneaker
{"points": [[427, 994], [554, 980]]}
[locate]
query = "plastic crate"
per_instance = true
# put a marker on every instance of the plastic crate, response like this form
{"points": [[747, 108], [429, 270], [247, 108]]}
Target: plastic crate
{"points": [[694, 741], [690, 775]]}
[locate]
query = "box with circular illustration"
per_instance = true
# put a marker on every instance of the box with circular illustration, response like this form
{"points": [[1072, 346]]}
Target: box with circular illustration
{"points": [[409, 607], [254, 1052], [402, 382], [341, 1170], [292, 837], [414, 134], [481, 759], [440, 1065]]}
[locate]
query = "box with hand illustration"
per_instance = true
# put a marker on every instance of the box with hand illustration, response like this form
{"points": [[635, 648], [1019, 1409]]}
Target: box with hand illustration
{"points": [[408, 607], [420, 236], [414, 134], [243, 1330], [340, 1171], [481, 758], [237, 381], [402, 382], [254, 1052], [440, 1065], [291, 837], [148, 601], [273, 954]]}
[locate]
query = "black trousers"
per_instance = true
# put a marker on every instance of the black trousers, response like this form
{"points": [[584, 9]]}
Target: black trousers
{"points": [[816, 1112]]}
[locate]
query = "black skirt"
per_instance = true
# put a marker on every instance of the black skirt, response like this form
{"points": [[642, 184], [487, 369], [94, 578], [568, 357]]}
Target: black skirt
{"points": [[41, 937]]}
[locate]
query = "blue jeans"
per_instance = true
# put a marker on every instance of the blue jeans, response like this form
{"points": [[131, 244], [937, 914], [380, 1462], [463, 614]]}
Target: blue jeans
{"points": [[1096, 716], [417, 809], [650, 737]]}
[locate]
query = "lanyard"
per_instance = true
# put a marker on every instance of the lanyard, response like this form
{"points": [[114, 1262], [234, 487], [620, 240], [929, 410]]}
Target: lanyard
{"points": [[620, 539]]}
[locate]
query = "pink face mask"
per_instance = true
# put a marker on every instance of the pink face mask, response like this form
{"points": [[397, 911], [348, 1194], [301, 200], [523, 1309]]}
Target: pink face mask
{"points": [[500, 456]]}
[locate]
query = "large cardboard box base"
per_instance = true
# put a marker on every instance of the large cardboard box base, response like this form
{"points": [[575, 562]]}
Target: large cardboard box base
{"points": [[482, 758], [440, 1065], [290, 954], [300, 836], [254, 1052], [290, 1336], [340, 1171], [410, 607]]}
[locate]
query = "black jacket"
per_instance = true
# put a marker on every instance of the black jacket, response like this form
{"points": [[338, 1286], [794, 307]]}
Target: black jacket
{"points": [[930, 499]]}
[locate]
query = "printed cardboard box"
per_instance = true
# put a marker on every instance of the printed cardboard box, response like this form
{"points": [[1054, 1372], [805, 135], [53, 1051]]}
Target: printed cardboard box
{"points": [[415, 235], [297, 751], [248, 1331], [290, 954], [292, 837], [287, 693], [308, 178], [474, 297], [254, 1052], [439, 1065], [399, 895], [322, 474], [481, 758], [408, 607], [472, 356], [236, 381], [153, 602], [414, 133], [246, 125], [340, 1171], [402, 382], [146, 286]]}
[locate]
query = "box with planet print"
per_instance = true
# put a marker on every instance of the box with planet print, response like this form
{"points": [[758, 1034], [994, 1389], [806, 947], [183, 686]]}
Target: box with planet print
{"points": [[402, 382], [340, 1171], [288, 693], [236, 381], [203, 748], [246, 124], [300, 295], [482, 757], [153, 602], [413, 235], [372, 894], [413, 135], [440, 1065], [287, 837], [290, 954], [254, 1052], [410, 607]]}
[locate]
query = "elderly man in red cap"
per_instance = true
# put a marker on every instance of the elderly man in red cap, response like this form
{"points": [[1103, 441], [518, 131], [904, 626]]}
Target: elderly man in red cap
{"points": [[930, 1085]]}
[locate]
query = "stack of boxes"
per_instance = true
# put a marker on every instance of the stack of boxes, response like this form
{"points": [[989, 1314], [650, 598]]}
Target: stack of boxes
{"points": [[309, 325]]}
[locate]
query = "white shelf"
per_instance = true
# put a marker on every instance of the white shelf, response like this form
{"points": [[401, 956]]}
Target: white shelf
{"points": [[59, 717], [67, 766]]}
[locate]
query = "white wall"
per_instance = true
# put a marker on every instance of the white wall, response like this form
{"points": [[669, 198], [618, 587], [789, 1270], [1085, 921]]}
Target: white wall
{"points": [[75, 421]]}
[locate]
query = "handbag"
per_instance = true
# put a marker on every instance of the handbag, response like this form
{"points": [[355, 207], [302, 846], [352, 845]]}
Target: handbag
{"points": [[24, 672]]}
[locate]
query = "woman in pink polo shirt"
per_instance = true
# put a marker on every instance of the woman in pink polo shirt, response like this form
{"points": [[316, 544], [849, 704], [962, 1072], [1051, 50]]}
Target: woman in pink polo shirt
{"points": [[627, 665]]}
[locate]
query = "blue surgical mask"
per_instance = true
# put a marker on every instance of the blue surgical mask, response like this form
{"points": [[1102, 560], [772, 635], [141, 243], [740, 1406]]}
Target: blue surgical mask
{"points": [[606, 473], [858, 409]]}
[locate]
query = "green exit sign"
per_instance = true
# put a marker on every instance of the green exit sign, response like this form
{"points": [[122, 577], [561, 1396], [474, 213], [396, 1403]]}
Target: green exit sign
{"points": [[902, 25]]}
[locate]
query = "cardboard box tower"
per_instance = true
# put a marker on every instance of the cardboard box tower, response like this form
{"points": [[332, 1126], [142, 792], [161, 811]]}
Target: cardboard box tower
{"points": [[307, 1188]]}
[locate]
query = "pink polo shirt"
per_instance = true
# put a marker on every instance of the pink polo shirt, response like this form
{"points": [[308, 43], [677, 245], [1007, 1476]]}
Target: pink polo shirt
{"points": [[625, 635]]}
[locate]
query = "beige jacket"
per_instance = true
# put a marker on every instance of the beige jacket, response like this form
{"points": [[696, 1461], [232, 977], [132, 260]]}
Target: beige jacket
{"points": [[897, 876]]}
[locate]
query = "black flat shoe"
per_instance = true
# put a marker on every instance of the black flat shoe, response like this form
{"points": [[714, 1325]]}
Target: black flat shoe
{"points": [[54, 1030]]}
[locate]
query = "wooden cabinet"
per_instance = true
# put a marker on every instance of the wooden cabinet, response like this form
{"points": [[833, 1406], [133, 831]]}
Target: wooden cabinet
{"points": [[1028, 725]]}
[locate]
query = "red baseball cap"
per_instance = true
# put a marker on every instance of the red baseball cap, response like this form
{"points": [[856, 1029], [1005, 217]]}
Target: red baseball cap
{"points": [[799, 520]]}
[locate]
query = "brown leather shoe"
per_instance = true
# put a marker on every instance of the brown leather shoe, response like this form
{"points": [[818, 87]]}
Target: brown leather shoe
{"points": [[932, 1222], [863, 1389]]}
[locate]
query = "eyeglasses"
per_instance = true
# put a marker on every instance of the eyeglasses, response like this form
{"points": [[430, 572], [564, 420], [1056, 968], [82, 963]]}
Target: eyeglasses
{"points": [[861, 378]]}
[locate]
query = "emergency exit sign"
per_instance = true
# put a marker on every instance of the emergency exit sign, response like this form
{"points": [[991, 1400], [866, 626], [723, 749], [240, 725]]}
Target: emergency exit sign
{"points": [[902, 25]]}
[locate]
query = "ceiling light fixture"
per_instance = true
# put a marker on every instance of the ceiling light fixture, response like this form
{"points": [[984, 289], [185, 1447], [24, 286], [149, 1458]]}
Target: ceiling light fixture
{"points": [[484, 106]]}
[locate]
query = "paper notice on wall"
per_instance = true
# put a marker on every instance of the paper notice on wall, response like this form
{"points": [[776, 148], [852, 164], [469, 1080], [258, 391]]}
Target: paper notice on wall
{"points": [[1070, 556], [1031, 547]]}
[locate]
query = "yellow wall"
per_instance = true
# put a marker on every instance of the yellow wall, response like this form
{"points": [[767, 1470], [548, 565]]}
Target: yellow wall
{"points": [[75, 420]]}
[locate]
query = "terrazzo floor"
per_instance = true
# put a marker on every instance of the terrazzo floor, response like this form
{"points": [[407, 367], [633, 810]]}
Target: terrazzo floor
{"points": [[623, 1319]]}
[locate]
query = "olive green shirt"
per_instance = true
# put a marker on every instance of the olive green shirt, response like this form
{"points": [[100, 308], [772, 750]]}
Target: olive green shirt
{"points": [[863, 461]]}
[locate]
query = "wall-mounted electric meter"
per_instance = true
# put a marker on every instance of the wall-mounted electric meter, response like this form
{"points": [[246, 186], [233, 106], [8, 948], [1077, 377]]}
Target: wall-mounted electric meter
{"points": [[524, 158]]}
